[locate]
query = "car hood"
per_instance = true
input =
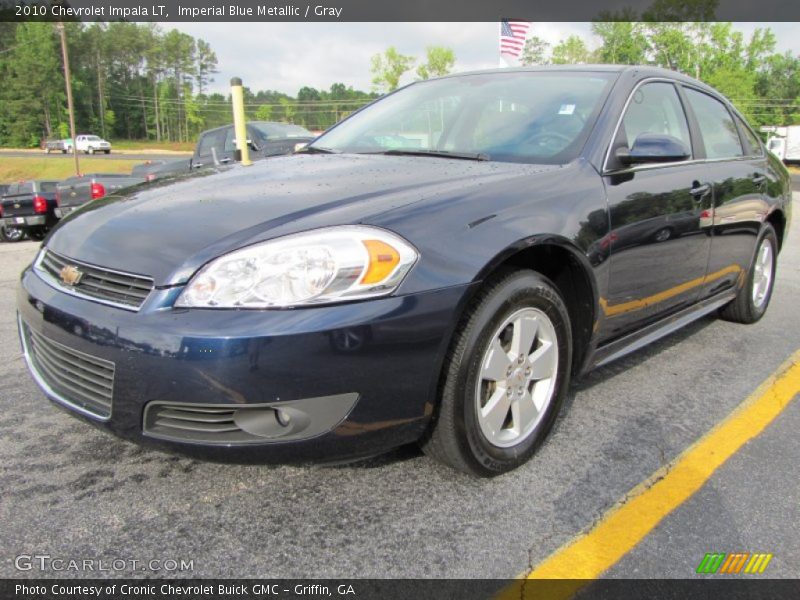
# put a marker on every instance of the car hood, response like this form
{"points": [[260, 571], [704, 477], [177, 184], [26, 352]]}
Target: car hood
{"points": [[168, 232]]}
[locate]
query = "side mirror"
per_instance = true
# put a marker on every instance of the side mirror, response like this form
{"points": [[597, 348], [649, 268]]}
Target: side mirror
{"points": [[653, 148]]}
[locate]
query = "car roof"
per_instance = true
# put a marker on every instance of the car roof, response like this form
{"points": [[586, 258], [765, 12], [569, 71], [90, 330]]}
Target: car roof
{"points": [[640, 71]]}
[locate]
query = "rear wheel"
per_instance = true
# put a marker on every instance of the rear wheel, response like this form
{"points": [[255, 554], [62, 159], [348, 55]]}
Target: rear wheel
{"points": [[11, 234], [505, 376], [753, 298]]}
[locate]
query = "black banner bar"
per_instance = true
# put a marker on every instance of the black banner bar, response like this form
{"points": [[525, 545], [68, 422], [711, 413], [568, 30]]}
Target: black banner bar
{"points": [[408, 10], [750, 588]]}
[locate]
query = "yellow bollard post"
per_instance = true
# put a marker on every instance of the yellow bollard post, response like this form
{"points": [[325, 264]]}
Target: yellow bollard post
{"points": [[239, 126]]}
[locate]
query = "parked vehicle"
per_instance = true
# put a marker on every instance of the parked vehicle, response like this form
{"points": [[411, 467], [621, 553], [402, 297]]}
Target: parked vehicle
{"points": [[218, 146], [784, 142], [158, 169], [89, 144], [355, 297], [76, 191], [57, 146], [10, 234], [29, 206]]}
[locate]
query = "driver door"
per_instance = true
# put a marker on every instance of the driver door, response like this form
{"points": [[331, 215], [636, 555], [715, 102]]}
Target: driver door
{"points": [[658, 242]]}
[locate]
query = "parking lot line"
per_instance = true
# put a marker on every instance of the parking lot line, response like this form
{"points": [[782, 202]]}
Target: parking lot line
{"points": [[593, 552]]}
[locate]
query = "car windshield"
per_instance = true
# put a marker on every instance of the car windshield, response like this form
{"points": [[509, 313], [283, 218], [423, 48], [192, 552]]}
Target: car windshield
{"points": [[274, 131], [516, 116]]}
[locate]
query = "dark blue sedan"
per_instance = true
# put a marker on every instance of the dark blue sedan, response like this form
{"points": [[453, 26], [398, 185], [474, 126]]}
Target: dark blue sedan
{"points": [[434, 269]]}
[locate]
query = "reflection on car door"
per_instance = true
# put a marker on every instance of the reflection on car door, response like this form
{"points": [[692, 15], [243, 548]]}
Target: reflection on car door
{"points": [[658, 251], [737, 167]]}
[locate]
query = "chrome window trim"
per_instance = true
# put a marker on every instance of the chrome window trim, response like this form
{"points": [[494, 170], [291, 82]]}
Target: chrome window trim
{"points": [[605, 169], [49, 280], [647, 167], [50, 392]]}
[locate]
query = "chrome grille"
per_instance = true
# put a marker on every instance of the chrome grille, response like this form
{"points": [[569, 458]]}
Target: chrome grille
{"points": [[105, 285], [79, 378]]}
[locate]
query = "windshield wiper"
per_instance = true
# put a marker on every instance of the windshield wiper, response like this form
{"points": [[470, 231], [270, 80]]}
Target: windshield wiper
{"points": [[316, 150], [437, 153]]}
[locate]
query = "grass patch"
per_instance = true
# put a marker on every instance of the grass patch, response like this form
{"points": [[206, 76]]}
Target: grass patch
{"points": [[151, 145], [17, 169]]}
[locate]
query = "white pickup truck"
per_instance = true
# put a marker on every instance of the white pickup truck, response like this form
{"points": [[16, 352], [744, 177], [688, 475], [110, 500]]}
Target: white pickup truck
{"points": [[89, 144], [784, 142]]}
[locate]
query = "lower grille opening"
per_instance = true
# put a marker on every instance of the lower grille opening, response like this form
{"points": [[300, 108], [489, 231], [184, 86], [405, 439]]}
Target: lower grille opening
{"points": [[221, 425], [76, 377], [231, 424]]}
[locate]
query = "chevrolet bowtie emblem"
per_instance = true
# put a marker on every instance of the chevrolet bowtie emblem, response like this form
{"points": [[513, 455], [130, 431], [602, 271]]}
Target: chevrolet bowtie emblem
{"points": [[70, 275]]}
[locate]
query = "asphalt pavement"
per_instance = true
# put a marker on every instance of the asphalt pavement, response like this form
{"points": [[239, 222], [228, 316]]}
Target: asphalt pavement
{"points": [[72, 491]]}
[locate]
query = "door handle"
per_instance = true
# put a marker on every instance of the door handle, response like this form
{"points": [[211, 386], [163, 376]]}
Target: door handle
{"points": [[758, 178], [698, 191]]}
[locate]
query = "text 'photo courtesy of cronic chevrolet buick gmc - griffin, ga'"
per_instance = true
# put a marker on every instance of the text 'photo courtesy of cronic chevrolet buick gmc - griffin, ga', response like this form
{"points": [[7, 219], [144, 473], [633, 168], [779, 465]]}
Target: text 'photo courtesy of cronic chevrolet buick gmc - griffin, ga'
{"points": [[434, 269]]}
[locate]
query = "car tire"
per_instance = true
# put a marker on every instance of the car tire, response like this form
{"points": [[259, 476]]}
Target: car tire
{"points": [[753, 298], [662, 235], [90, 150], [484, 369], [108, 151], [12, 234]]}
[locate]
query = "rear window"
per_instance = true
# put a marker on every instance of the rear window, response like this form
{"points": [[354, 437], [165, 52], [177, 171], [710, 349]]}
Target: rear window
{"points": [[47, 186], [752, 139], [720, 136]]}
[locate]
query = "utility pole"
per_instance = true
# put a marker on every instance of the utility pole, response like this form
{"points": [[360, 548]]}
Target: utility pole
{"points": [[68, 80]]}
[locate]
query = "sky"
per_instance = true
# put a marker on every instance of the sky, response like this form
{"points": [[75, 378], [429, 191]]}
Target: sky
{"points": [[288, 56]]}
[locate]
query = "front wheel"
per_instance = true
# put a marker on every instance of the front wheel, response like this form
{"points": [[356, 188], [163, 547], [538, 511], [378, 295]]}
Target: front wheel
{"points": [[753, 298], [90, 150], [505, 376]]}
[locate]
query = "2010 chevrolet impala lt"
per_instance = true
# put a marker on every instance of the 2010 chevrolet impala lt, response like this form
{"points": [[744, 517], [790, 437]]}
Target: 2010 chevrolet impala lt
{"points": [[434, 269]]}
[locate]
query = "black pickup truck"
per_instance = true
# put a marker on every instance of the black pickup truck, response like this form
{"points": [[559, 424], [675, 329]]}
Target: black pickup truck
{"points": [[218, 146], [76, 191], [30, 207], [8, 234]]}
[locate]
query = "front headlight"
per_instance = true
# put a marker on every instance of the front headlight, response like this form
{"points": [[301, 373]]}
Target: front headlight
{"points": [[324, 265]]}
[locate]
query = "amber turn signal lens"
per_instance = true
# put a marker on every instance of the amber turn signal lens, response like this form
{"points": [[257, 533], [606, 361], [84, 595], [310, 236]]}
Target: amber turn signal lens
{"points": [[382, 261]]}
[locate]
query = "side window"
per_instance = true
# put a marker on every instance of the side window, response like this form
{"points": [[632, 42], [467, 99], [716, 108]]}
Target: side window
{"points": [[720, 136], [213, 139], [752, 140], [655, 108], [230, 141]]}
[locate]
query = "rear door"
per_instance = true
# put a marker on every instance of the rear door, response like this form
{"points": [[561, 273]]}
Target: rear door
{"points": [[737, 169], [657, 250]]}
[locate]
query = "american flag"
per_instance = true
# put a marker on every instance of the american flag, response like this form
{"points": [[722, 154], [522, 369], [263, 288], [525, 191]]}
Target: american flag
{"points": [[512, 36]]}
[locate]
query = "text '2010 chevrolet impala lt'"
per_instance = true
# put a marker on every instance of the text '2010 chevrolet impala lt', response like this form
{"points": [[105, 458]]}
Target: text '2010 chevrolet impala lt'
{"points": [[433, 269]]}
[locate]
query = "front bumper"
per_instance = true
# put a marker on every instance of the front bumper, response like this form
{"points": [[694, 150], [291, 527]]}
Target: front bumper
{"points": [[25, 221], [364, 374]]}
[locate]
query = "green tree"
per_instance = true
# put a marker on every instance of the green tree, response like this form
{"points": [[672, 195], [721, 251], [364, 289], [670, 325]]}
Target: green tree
{"points": [[388, 68], [571, 51], [439, 61], [624, 42], [534, 52]]}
